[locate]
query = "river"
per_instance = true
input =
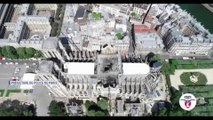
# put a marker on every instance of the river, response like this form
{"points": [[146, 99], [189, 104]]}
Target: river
{"points": [[201, 14]]}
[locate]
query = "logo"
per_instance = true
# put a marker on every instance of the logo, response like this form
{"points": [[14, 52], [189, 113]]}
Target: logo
{"points": [[187, 101]]}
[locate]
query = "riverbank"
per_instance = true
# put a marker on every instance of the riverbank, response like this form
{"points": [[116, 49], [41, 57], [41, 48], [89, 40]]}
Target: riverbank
{"points": [[201, 14], [208, 7]]}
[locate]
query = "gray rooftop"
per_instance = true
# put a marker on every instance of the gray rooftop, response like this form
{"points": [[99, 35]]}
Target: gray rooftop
{"points": [[50, 43], [79, 13], [45, 66]]}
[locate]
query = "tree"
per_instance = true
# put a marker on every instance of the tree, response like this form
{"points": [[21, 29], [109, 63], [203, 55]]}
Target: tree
{"points": [[133, 14], [119, 36], [1, 52], [99, 109], [21, 51], [28, 113], [175, 113], [57, 109], [8, 113], [165, 68], [9, 52], [156, 57], [95, 113], [88, 104], [30, 52], [16, 108], [103, 104], [38, 54], [163, 112], [175, 98]]}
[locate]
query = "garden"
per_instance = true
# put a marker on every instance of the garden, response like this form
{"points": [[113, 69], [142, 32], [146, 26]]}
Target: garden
{"points": [[193, 78], [119, 36], [97, 16], [204, 92]]}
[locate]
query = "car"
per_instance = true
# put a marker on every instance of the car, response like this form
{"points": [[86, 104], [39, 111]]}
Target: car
{"points": [[17, 78], [16, 63], [17, 69], [6, 63], [13, 78], [11, 63]]}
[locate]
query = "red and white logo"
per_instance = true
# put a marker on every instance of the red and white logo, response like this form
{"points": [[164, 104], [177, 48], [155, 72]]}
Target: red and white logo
{"points": [[187, 101]]}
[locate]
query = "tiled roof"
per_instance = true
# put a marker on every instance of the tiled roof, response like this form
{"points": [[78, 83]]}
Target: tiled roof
{"points": [[142, 28]]}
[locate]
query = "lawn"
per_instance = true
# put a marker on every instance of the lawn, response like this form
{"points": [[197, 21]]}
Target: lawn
{"points": [[119, 36], [9, 92], [97, 16], [1, 92], [185, 78], [201, 91]]}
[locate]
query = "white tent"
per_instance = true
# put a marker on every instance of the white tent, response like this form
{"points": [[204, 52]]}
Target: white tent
{"points": [[135, 68], [28, 77]]}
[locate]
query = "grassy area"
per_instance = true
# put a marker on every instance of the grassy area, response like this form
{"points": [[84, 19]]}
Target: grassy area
{"points": [[201, 91], [185, 78], [192, 64], [12, 91], [119, 36], [1, 93], [97, 16], [170, 67]]}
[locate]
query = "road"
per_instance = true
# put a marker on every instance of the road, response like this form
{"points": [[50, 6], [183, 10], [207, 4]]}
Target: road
{"points": [[42, 100], [166, 55], [27, 62]]}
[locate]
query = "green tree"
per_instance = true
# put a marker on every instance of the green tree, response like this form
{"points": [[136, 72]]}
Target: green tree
{"points": [[103, 104], [89, 104], [28, 113], [163, 112], [175, 113], [30, 52], [21, 51], [38, 54], [99, 109], [95, 113], [119, 36], [1, 52], [8, 113], [156, 57], [133, 14], [56, 109], [16, 108], [175, 99], [9, 52]]}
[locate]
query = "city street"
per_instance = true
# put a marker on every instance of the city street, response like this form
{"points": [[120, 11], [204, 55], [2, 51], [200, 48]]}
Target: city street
{"points": [[42, 100]]}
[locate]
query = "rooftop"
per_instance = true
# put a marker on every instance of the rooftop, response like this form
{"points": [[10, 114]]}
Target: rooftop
{"points": [[80, 68], [27, 77], [45, 66], [50, 43], [135, 68], [80, 12], [142, 28]]}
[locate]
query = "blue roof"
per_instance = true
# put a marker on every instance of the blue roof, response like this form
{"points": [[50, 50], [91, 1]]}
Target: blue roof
{"points": [[64, 40]]}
